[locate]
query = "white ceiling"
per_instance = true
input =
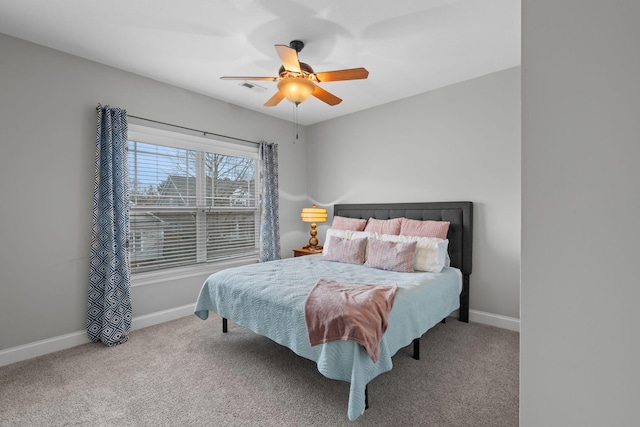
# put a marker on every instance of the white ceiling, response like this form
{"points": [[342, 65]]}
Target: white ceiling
{"points": [[408, 46]]}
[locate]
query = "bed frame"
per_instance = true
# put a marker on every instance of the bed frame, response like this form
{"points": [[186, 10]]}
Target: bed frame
{"points": [[460, 235]]}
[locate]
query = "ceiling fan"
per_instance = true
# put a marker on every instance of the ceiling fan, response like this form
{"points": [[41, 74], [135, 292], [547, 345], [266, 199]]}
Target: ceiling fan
{"points": [[297, 80]]}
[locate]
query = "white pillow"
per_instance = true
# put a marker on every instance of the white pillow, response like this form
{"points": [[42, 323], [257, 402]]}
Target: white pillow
{"points": [[343, 234], [431, 252]]}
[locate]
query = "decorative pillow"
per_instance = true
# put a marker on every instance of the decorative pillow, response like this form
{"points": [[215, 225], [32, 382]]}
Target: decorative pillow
{"points": [[413, 227], [384, 226], [431, 252], [361, 235], [344, 223], [345, 234], [394, 256], [350, 251]]}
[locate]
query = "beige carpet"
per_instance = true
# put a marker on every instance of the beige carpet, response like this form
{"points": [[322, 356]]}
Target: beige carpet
{"points": [[187, 373]]}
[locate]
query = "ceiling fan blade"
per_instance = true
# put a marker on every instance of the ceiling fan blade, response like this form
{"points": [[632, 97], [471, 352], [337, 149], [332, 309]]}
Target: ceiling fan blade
{"points": [[274, 100], [289, 58], [325, 96], [350, 74], [271, 79]]}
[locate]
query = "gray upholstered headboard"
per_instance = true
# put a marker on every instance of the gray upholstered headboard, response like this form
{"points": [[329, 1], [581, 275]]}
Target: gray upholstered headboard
{"points": [[459, 214]]}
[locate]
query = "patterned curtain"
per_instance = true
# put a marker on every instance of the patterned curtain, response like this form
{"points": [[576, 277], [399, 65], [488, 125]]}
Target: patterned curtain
{"points": [[270, 221], [109, 303]]}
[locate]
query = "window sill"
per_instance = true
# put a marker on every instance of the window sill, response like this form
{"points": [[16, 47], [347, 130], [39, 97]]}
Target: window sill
{"points": [[171, 274]]}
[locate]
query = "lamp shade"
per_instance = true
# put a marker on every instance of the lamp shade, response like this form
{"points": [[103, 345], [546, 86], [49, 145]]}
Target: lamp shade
{"points": [[296, 89], [314, 214]]}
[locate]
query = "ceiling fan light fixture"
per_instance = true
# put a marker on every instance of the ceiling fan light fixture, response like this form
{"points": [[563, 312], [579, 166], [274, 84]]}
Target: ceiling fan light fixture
{"points": [[297, 80], [296, 89]]}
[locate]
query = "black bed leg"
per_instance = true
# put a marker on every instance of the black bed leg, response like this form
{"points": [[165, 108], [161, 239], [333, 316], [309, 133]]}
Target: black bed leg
{"points": [[416, 349], [366, 397], [464, 300], [224, 325]]}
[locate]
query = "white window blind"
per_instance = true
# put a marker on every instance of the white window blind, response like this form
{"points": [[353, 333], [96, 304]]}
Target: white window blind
{"points": [[193, 200]]}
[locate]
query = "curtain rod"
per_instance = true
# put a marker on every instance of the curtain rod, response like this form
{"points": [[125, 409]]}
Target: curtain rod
{"points": [[205, 133]]}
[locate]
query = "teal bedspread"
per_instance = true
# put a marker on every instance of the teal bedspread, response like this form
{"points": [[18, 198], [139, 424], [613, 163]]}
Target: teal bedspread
{"points": [[268, 298]]}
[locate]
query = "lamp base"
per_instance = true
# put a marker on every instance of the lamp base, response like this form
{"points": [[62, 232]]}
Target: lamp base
{"points": [[313, 241], [316, 248]]}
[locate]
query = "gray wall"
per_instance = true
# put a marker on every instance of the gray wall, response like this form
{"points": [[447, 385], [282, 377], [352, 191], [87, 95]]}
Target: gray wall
{"points": [[457, 143], [580, 210], [460, 142], [47, 140]]}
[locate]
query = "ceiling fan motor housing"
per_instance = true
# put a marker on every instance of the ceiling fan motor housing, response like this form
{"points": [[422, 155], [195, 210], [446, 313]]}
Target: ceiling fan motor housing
{"points": [[305, 68]]}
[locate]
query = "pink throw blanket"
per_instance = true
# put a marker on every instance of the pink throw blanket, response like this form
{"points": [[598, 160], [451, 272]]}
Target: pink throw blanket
{"points": [[350, 312]]}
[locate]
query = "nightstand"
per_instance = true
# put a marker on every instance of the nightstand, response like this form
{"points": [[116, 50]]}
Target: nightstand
{"points": [[306, 251]]}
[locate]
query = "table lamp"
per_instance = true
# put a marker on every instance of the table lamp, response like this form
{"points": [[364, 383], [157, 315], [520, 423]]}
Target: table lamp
{"points": [[313, 215]]}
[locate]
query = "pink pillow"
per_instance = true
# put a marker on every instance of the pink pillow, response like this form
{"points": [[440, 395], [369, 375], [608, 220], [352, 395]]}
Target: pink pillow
{"points": [[394, 256], [413, 227], [350, 251], [344, 223], [384, 226]]}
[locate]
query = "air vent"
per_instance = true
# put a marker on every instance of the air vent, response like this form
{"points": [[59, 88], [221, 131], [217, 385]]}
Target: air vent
{"points": [[254, 87]]}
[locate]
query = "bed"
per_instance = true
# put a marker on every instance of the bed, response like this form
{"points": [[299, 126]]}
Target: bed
{"points": [[269, 298]]}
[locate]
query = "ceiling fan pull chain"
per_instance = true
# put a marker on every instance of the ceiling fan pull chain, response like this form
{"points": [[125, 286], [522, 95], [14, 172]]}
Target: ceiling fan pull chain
{"points": [[295, 120]]}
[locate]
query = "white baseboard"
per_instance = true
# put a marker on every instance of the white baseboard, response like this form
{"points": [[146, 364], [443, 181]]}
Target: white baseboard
{"points": [[39, 348], [50, 345], [162, 316], [497, 320]]}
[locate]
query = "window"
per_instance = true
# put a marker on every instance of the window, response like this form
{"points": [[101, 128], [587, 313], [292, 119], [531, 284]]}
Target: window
{"points": [[193, 200]]}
